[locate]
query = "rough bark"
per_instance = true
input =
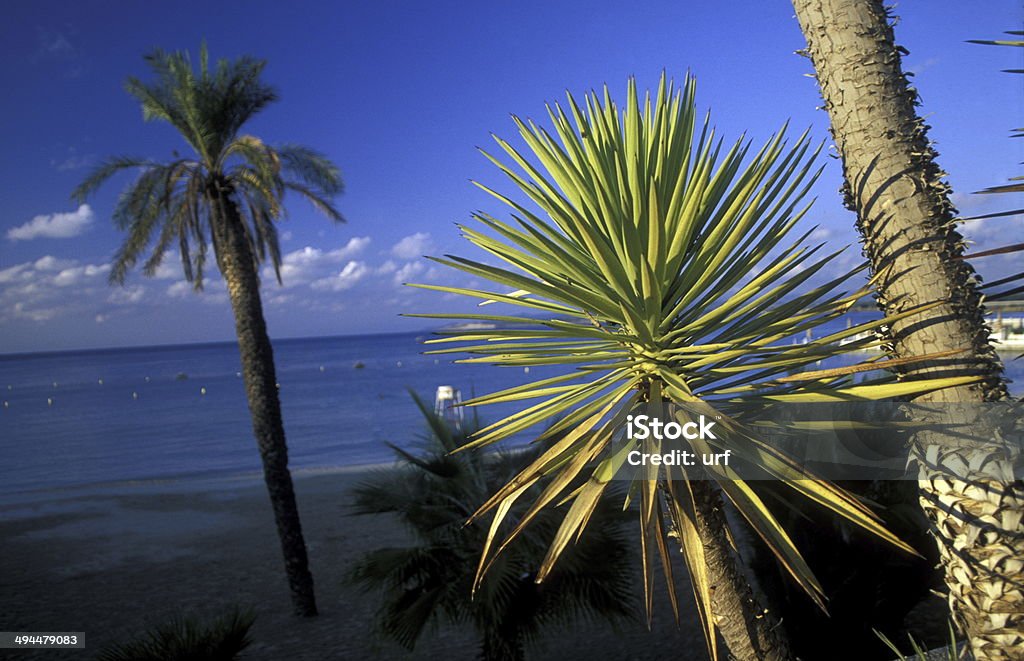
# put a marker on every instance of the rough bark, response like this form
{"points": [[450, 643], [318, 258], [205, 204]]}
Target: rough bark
{"points": [[237, 265], [967, 489], [750, 631]]}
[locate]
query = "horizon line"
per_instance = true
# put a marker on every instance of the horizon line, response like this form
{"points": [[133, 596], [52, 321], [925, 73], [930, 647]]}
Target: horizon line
{"points": [[202, 343]]}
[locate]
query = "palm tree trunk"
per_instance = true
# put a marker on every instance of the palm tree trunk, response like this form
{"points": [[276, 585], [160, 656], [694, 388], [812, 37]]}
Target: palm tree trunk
{"points": [[750, 631], [907, 227], [235, 259]]}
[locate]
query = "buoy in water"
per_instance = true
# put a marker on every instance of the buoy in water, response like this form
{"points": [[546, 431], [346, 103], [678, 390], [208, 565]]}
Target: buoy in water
{"points": [[322, 369], [6, 404], [135, 395], [101, 382], [526, 370], [398, 364], [358, 365], [202, 391], [147, 379], [49, 401], [54, 384]]}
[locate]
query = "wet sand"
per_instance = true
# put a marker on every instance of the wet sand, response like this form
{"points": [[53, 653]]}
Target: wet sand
{"points": [[112, 562]]}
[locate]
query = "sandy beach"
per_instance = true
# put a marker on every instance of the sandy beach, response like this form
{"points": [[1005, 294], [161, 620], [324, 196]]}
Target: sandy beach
{"points": [[113, 561]]}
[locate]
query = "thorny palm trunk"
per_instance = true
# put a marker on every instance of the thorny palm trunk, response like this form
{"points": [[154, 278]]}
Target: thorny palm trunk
{"points": [[235, 259], [750, 631], [905, 219]]}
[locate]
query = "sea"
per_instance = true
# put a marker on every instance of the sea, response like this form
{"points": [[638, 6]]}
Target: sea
{"points": [[120, 416]]}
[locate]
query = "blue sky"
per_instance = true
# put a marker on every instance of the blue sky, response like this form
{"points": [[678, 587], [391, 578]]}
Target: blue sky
{"points": [[399, 95]]}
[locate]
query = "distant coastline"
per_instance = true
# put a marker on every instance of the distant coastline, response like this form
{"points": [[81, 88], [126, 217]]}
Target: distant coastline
{"points": [[212, 344]]}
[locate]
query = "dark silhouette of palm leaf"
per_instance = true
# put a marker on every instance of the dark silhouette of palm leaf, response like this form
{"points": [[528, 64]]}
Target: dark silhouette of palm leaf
{"points": [[188, 639], [431, 580]]}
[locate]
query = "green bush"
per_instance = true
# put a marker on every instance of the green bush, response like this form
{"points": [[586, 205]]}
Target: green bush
{"points": [[188, 639]]}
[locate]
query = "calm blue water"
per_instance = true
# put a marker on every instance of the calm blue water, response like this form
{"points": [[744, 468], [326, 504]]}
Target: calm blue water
{"points": [[95, 433]]}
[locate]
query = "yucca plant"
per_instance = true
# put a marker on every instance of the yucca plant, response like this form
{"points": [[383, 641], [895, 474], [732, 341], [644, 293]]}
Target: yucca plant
{"points": [[950, 653], [665, 270]]}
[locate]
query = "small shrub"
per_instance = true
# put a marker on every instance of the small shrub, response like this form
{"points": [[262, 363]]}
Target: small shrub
{"points": [[188, 639], [951, 653]]}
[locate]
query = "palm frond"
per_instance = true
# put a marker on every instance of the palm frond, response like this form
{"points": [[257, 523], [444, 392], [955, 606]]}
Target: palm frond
{"points": [[312, 168], [209, 108], [179, 202], [431, 578], [1018, 182], [104, 171], [187, 638]]}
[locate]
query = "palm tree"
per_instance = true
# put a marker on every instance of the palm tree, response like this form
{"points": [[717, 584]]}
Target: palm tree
{"points": [[663, 275], [907, 225], [433, 492], [227, 194]]}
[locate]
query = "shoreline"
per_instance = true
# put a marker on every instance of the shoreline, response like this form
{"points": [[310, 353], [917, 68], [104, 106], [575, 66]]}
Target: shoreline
{"points": [[233, 341], [112, 563], [186, 483], [197, 482]]}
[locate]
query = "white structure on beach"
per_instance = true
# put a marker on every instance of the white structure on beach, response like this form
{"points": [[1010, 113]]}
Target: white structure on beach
{"points": [[447, 406], [1007, 333]]}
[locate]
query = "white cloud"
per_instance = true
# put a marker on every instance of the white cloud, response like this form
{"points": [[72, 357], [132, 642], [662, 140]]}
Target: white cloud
{"points": [[168, 270], [310, 264], [39, 290], [296, 267], [127, 295], [412, 246], [278, 299], [406, 273], [15, 273], [51, 263], [387, 267], [179, 289], [354, 246], [37, 314], [72, 161], [352, 273], [54, 225], [75, 274], [214, 292], [918, 68]]}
